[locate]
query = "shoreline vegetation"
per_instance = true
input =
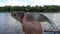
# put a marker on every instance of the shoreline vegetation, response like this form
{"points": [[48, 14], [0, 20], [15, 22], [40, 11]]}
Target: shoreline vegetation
{"points": [[28, 8]]}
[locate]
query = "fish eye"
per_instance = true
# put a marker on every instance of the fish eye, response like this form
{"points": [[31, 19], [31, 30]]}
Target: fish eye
{"points": [[14, 14]]}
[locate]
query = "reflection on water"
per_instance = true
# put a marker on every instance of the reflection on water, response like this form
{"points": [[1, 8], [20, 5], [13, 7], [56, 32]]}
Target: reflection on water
{"points": [[8, 25]]}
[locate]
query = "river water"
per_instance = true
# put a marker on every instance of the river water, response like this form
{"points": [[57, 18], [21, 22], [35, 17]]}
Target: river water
{"points": [[8, 25]]}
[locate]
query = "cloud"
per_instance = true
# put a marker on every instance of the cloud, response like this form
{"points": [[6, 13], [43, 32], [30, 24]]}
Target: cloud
{"points": [[13, 3], [30, 2], [46, 2], [2, 4], [16, 3]]}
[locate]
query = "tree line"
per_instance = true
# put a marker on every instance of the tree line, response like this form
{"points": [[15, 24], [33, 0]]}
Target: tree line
{"points": [[28, 8]]}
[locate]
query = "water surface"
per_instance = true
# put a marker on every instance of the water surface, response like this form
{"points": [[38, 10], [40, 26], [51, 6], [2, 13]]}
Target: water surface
{"points": [[8, 25]]}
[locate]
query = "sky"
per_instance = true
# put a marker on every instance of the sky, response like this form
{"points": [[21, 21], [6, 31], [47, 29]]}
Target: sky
{"points": [[29, 2]]}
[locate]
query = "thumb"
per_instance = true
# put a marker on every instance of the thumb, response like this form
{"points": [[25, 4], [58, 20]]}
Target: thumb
{"points": [[24, 18]]}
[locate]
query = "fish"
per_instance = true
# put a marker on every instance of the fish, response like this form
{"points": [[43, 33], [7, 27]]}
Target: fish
{"points": [[32, 16]]}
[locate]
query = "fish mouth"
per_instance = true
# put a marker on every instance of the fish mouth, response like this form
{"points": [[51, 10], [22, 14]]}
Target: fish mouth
{"points": [[17, 15]]}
